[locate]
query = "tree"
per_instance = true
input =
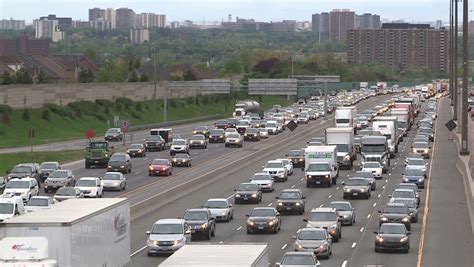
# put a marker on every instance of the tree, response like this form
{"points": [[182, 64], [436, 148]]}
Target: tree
{"points": [[7, 79], [23, 77], [143, 78], [189, 76], [42, 77], [133, 78], [86, 76]]}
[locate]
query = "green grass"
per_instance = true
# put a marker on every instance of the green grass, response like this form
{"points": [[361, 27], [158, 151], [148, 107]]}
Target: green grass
{"points": [[8, 161], [71, 122]]}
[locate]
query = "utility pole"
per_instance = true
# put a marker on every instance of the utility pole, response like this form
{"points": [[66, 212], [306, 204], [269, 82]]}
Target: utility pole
{"points": [[465, 40], [325, 100], [154, 82], [455, 88], [451, 44], [165, 102]]}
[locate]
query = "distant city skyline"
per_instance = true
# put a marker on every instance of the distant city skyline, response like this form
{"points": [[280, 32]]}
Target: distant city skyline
{"points": [[217, 10]]}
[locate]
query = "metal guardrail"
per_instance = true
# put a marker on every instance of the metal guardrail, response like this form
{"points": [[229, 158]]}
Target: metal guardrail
{"points": [[173, 123]]}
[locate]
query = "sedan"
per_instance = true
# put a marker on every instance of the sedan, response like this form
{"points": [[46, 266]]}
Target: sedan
{"points": [[288, 165], [392, 236], [65, 193], [221, 124], [220, 209], [181, 160], [264, 180], [160, 167], [204, 130], [412, 207], [356, 187], [395, 213], [216, 136], [315, 240], [248, 192], [265, 219], [414, 176], [263, 132], [251, 134], [300, 259], [416, 164], [120, 162], [296, 156], [39, 203], [114, 181], [198, 141], [345, 211], [422, 148], [369, 176], [136, 150], [291, 200], [233, 139], [374, 167]]}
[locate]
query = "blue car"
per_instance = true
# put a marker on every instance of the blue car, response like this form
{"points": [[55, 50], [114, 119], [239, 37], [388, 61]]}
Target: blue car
{"points": [[414, 176]]}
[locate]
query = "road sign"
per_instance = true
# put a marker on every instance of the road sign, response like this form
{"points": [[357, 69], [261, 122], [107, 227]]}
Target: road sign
{"points": [[31, 133], [292, 125], [89, 133], [451, 125], [124, 126], [327, 79]]}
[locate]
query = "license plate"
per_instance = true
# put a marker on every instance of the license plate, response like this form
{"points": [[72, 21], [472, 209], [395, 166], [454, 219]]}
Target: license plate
{"points": [[133, 154], [96, 161], [318, 182], [260, 228], [288, 208], [355, 194], [246, 198]]}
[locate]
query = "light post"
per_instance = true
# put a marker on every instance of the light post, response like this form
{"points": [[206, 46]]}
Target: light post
{"points": [[465, 32]]}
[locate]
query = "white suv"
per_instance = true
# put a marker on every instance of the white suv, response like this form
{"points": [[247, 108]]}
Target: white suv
{"points": [[277, 170], [288, 165], [179, 146], [90, 186], [22, 187]]}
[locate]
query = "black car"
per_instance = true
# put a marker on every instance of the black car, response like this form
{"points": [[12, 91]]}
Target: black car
{"points": [[291, 200], [392, 236], [248, 193], [200, 222], [296, 156], [217, 136], [181, 160], [113, 134], [136, 150], [252, 134], [264, 219], [154, 143], [204, 130], [221, 124], [395, 213], [46, 168], [25, 170], [232, 123], [120, 162]]}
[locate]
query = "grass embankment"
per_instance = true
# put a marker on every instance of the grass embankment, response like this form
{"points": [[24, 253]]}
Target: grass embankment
{"points": [[54, 123], [8, 161]]}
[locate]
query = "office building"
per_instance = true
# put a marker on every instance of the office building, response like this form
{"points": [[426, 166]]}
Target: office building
{"points": [[283, 26], [400, 45], [139, 36], [11, 24], [45, 28], [125, 18]]}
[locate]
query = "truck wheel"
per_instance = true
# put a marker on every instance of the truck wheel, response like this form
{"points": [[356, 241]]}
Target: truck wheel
{"points": [[308, 185], [88, 165]]}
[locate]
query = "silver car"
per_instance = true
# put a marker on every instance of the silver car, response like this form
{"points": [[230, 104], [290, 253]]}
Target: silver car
{"points": [[411, 204], [417, 164], [220, 208], [58, 179], [234, 139], [300, 259], [316, 240], [114, 181], [65, 193], [167, 236], [345, 210], [264, 180], [326, 218]]}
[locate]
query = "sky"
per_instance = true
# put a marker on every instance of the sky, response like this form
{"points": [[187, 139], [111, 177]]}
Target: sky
{"points": [[217, 10]]}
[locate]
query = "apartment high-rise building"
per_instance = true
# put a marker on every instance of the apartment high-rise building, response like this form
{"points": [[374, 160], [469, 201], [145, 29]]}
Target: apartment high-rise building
{"points": [[400, 45], [11, 24], [125, 18], [45, 28], [139, 36], [439, 24], [320, 23], [283, 26], [96, 13], [64, 23], [150, 20], [100, 24], [340, 20], [110, 15]]}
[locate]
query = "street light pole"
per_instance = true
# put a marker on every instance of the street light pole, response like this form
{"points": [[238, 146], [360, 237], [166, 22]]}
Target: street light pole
{"points": [[154, 82], [465, 38], [455, 57], [451, 44]]}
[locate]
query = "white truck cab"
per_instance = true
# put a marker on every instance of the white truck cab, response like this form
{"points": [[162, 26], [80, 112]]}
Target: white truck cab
{"points": [[321, 166], [11, 206]]}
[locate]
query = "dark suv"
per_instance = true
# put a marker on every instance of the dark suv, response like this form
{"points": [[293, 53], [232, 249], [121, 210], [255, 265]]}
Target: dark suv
{"points": [[154, 143], [200, 222], [120, 162], [248, 193], [25, 170], [290, 200]]}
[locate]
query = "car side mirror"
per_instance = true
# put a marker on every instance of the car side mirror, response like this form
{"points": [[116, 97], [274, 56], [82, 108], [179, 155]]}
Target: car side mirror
{"points": [[277, 264], [409, 233], [235, 190], [112, 147], [305, 220], [379, 211], [389, 195], [376, 232], [230, 205], [343, 183], [303, 197], [187, 232], [302, 168], [247, 215], [277, 197], [148, 232]]}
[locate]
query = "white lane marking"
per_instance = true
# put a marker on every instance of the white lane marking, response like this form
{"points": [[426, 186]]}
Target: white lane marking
{"points": [[347, 175], [321, 205], [138, 172], [270, 204], [375, 204], [344, 264], [354, 245], [95, 173], [383, 187], [302, 179], [138, 251], [386, 180], [231, 196], [238, 229], [395, 163], [293, 186], [337, 188], [284, 246], [368, 216], [222, 242], [330, 196], [361, 229], [390, 174], [378, 196]]}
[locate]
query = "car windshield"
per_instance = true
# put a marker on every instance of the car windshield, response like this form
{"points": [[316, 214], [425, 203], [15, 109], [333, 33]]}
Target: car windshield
{"points": [[22, 169], [290, 195], [58, 175], [396, 210], [136, 146], [373, 148], [274, 165], [392, 229], [179, 143], [221, 122], [216, 132], [416, 162], [318, 167], [420, 145], [364, 174], [306, 259], [111, 176], [233, 135], [413, 172], [251, 131], [248, 187], [120, 158], [49, 166], [410, 203], [6, 208], [263, 213], [112, 131], [199, 137], [18, 184], [295, 153], [65, 191], [271, 125], [86, 183], [371, 165], [167, 229], [342, 120], [181, 156], [195, 215], [212, 204], [342, 147], [403, 194], [341, 206], [201, 128], [260, 177], [322, 216], [98, 145], [356, 182], [312, 235], [160, 162], [39, 202], [152, 138]]}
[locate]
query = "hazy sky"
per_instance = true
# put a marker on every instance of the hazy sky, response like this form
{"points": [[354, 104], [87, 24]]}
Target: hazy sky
{"points": [[211, 10]]}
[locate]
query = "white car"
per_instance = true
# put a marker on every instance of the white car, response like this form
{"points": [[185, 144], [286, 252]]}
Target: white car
{"points": [[90, 186], [263, 132], [11, 206], [230, 131], [23, 187], [220, 208], [39, 203], [374, 167], [264, 180], [234, 140], [303, 118], [167, 236], [179, 146], [272, 127], [277, 170], [288, 165]]}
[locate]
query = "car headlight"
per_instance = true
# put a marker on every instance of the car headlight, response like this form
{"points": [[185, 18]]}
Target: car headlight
{"points": [[423, 169], [347, 190], [272, 222], [420, 179], [109, 167], [150, 168], [280, 204], [237, 195], [406, 219], [254, 195], [174, 160], [123, 166], [384, 219], [177, 242], [298, 204], [327, 176], [404, 239], [251, 223], [323, 246], [347, 157], [346, 215], [152, 242], [405, 179], [363, 190], [202, 142], [116, 184], [204, 225], [24, 193], [379, 239]]}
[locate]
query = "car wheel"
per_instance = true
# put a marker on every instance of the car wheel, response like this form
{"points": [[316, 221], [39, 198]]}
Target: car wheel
{"points": [[213, 233], [249, 232], [149, 254], [208, 235], [376, 250]]}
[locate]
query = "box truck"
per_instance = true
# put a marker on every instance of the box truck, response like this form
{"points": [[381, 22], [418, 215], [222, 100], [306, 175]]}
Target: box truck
{"points": [[402, 119], [25, 251], [387, 126], [229, 255], [343, 138], [80, 232], [346, 117], [375, 148], [321, 166]]}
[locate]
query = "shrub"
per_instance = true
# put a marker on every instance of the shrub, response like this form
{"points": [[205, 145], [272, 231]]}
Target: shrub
{"points": [[5, 109], [138, 106], [104, 102], [135, 115], [99, 117], [25, 115], [6, 118], [196, 100], [126, 103], [172, 103], [45, 115], [61, 111]]}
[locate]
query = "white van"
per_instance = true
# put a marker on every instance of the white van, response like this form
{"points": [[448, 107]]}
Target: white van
{"points": [[11, 206]]}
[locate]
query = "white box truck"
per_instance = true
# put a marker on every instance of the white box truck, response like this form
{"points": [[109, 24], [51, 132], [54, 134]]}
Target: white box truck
{"points": [[346, 117], [229, 255], [25, 251], [387, 126], [343, 138], [321, 166], [80, 232], [402, 119]]}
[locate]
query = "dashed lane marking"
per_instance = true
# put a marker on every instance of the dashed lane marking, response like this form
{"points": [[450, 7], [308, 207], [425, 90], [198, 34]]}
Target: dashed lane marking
{"points": [[362, 229], [368, 216], [270, 204], [375, 204], [284, 246], [238, 229], [344, 264], [354, 245]]}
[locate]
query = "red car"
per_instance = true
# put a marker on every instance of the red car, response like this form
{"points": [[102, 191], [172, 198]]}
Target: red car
{"points": [[160, 167]]}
